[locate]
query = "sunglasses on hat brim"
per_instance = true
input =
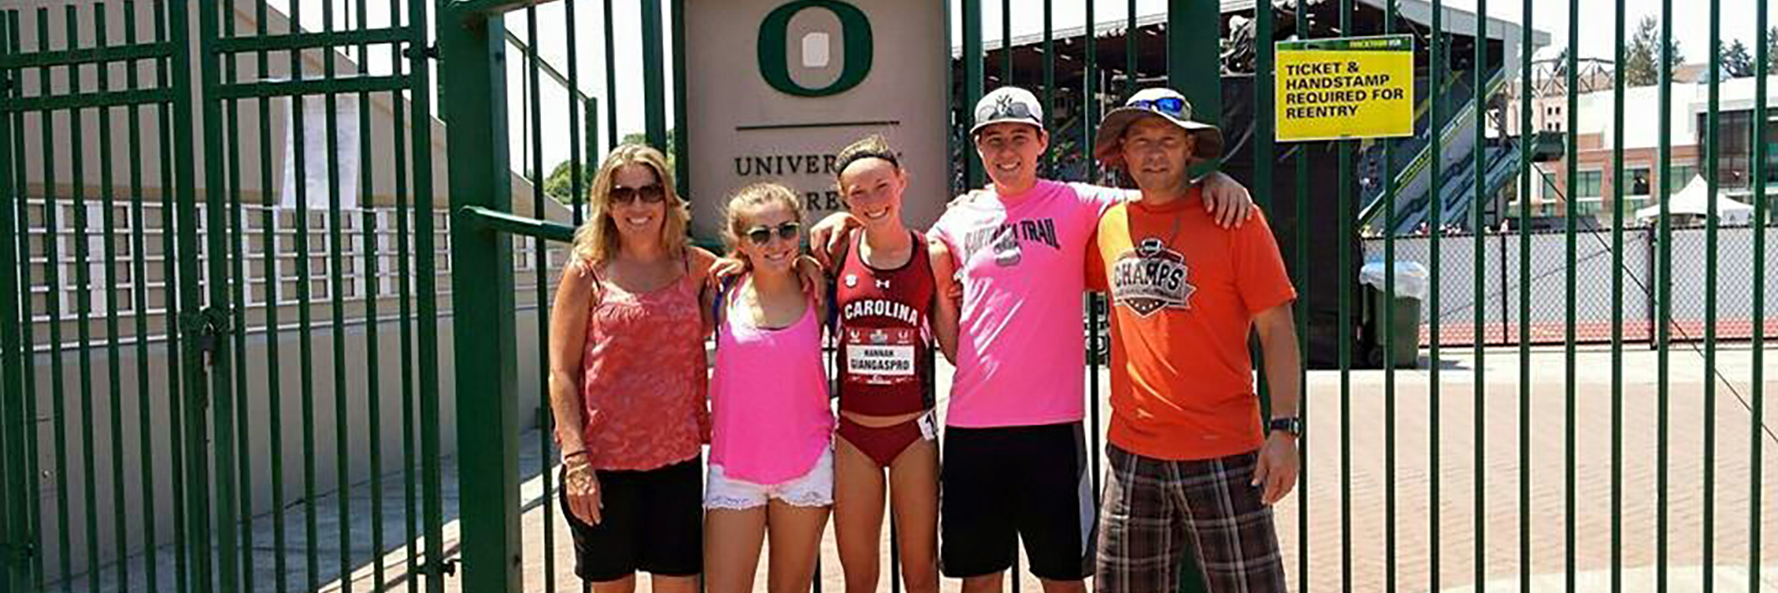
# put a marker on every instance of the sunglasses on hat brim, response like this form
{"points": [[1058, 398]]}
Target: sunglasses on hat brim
{"points": [[1173, 106]]}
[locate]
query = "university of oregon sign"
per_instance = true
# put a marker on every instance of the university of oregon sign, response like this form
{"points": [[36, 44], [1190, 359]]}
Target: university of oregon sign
{"points": [[775, 88], [775, 32]]}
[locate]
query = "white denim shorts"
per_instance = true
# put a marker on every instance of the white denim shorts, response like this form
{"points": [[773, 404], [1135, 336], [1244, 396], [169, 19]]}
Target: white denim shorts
{"points": [[813, 489]]}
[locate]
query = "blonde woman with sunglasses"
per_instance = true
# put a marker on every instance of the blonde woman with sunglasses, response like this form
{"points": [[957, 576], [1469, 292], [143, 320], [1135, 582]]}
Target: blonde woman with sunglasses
{"points": [[628, 378]]}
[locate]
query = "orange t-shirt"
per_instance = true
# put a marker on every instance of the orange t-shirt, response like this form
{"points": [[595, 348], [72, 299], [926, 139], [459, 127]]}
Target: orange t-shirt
{"points": [[1184, 293]]}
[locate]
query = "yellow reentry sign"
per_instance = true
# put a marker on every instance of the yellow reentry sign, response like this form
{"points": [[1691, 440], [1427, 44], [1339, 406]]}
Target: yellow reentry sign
{"points": [[1350, 87]]}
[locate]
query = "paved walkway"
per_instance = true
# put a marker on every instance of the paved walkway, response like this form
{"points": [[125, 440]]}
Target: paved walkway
{"points": [[1459, 427]]}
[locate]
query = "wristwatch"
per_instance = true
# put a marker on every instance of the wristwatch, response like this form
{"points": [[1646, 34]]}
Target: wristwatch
{"points": [[1289, 424]]}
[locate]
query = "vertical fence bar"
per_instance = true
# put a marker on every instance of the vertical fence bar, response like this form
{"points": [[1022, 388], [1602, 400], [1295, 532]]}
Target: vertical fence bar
{"points": [[611, 135], [12, 492], [398, 132], [1479, 230], [139, 310], [1006, 78], [1617, 312], [1527, 172], [953, 112], [28, 351], [1569, 214], [1343, 153], [1089, 102], [1761, 226], [575, 108], [138, 307], [83, 302], [541, 275], [1130, 61], [53, 309], [15, 552], [239, 285], [198, 392], [1049, 81], [589, 154], [485, 346], [1192, 66], [273, 278], [1096, 306], [304, 315], [681, 136], [973, 67], [14, 572], [1713, 169], [212, 320], [1389, 458], [170, 274], [426, 287], [1300, 278], [373, 396], [113, 365], [336, 289], [1090, 112], [1265, 145], [654, 102], [1436, 64], [1665, 299]]}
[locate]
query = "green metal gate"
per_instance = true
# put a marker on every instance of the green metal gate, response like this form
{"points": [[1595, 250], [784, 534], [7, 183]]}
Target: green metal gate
{"points": [[142, 134], [214, 377]]}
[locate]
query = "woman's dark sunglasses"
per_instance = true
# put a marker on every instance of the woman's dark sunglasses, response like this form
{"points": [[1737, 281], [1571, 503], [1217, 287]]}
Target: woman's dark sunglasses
{"points": [[649, 194], [760, 235]]}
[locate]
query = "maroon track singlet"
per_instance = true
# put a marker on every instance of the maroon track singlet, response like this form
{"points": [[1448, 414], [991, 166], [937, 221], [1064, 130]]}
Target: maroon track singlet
{"points": [[885, 354]]}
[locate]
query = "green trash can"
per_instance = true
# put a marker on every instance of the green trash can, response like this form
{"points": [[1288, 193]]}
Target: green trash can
{"points": [[1404, 334]]}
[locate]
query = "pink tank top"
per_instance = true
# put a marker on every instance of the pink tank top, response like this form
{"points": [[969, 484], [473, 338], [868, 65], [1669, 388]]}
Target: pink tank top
{"points": [[643, 379], [768, 397]]}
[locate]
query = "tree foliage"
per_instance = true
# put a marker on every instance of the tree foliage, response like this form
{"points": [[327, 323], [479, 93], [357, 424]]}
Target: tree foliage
{"points": [[1642, 61]]}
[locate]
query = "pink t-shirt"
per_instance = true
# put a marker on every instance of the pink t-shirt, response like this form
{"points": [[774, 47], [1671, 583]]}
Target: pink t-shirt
{"points": [[1020, 355]]}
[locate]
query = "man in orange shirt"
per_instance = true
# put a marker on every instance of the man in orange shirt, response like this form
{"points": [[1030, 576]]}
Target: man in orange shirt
{"points": [[1191, 468]]}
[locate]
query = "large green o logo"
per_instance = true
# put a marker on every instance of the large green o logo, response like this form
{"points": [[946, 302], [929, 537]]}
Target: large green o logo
{"points": [[774, 62]]}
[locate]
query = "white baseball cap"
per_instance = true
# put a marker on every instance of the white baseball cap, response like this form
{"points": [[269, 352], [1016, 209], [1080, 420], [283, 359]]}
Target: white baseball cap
{"points": [[1007, 103]]}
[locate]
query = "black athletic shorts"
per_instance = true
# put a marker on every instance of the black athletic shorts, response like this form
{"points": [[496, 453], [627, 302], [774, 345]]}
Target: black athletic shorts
{"points": [[652, 521], [1002, 485]]}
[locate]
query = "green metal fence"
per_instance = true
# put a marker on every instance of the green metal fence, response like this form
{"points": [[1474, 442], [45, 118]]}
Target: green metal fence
{"points": [[144, 136], [223, 233]]}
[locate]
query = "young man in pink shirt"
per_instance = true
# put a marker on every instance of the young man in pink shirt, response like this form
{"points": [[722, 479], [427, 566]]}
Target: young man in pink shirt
{"points": [[1015, 454]]}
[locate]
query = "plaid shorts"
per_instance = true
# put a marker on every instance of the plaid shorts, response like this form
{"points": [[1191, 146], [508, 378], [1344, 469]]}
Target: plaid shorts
{"points": [[1154, 512]]}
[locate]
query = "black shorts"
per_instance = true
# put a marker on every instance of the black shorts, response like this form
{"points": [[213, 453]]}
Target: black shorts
{"points": [[653, 521], [1002, 485]]}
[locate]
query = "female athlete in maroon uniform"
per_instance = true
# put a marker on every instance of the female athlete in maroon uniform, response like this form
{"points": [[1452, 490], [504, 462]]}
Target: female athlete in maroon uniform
{"points": [[889, 317]]}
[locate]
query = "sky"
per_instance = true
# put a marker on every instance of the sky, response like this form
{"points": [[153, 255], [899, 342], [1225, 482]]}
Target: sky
{"points": [[1596, 39]]}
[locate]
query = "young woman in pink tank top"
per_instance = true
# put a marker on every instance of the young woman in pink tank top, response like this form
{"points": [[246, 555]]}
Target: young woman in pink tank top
{"points": [[627, 381], [771, 456], [889, 317]]}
